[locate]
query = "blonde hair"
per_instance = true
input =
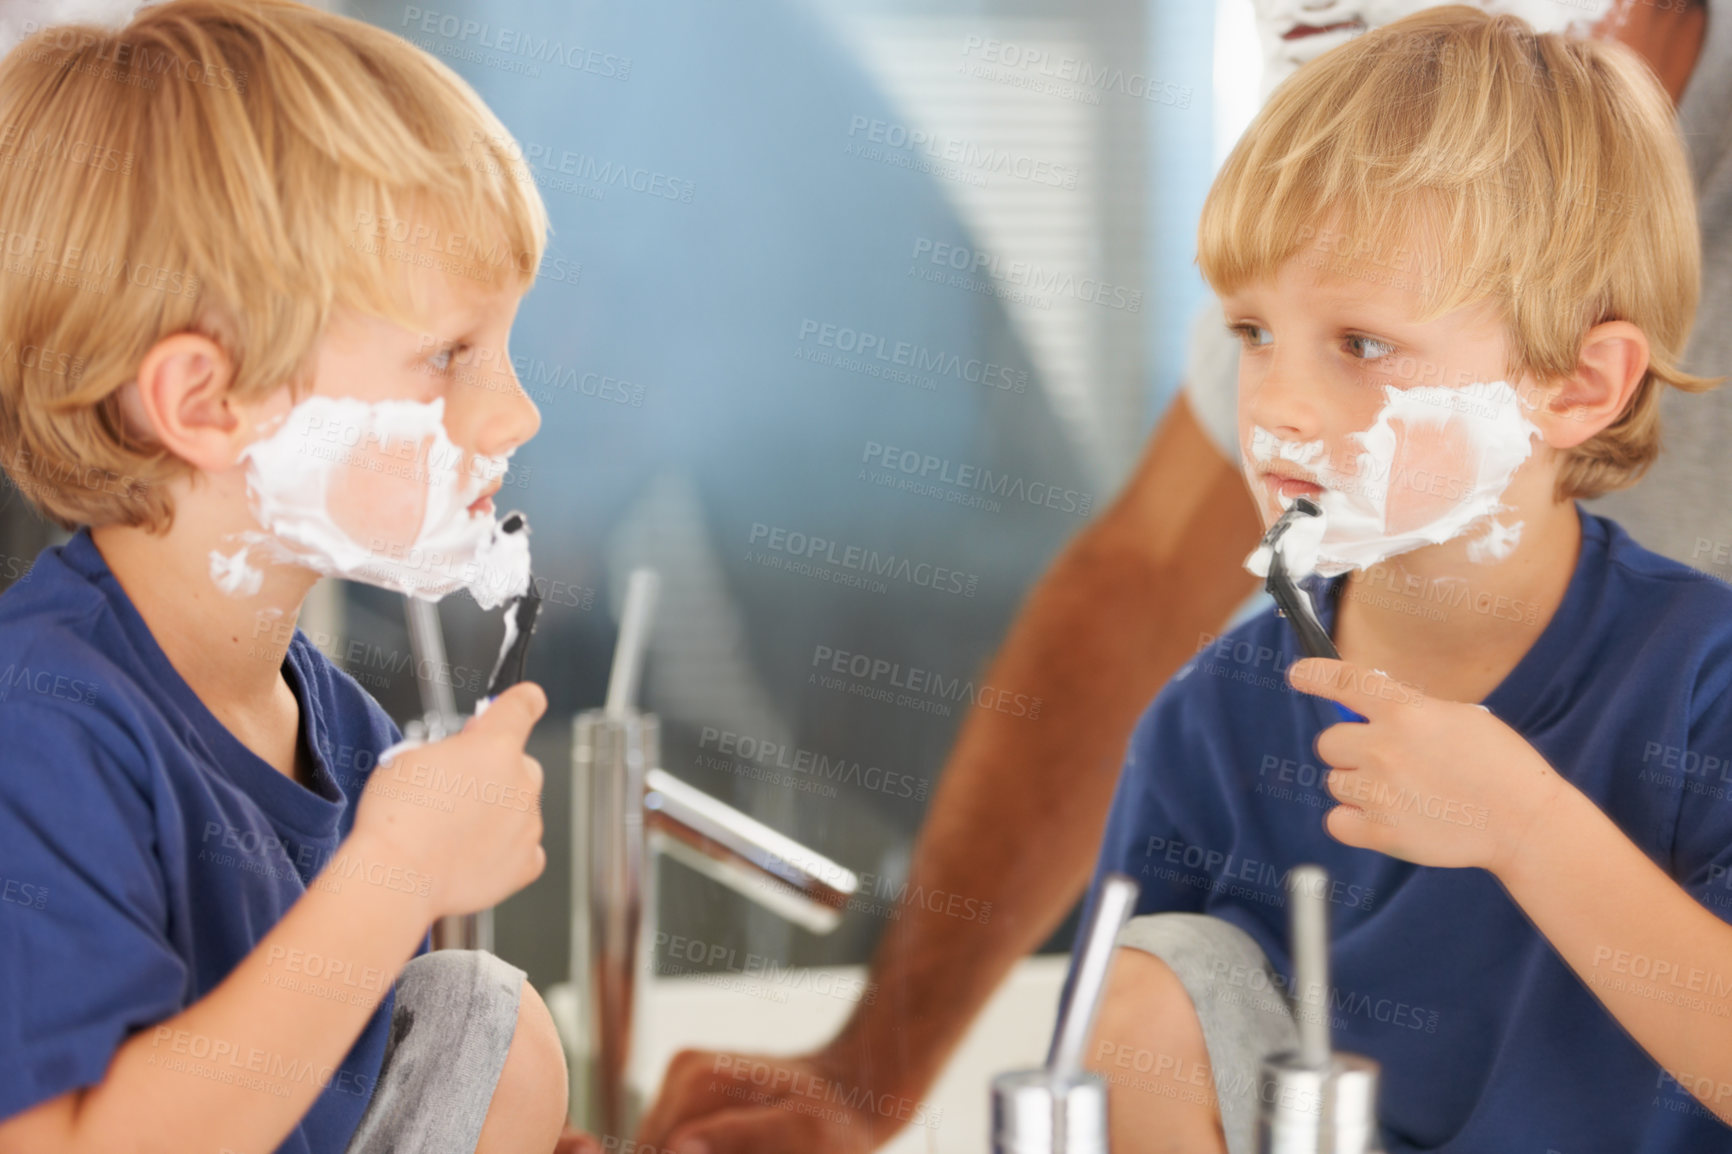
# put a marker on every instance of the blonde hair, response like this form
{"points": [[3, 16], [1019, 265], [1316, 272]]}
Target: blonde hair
{"points": [[1543, 174], [237, 169]]}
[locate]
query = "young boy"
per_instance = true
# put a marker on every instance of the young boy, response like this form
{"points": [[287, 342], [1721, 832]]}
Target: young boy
{"points": [[229, 225], [1463, 262]]}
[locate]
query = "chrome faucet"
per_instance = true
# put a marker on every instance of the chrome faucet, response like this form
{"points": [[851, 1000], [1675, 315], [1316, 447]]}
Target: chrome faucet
{"points": [[1315, 1099], [1061, 1108], [625, 810]]}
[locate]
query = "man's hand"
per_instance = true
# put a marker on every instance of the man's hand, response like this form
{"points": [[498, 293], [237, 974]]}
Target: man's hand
{"points": [[715, 1103], [1437, 783]]}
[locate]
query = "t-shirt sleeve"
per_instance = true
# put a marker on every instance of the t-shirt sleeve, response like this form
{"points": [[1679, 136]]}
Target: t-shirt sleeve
{"points": [[85, 957], [1212, 378]]}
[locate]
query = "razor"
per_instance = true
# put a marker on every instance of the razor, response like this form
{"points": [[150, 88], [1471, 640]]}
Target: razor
{"points": [[520, 614], [1292, 601]]}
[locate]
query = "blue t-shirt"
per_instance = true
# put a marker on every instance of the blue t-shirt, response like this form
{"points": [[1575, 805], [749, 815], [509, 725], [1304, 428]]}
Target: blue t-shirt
{"points": [[144, 851], [1489, 1042]]}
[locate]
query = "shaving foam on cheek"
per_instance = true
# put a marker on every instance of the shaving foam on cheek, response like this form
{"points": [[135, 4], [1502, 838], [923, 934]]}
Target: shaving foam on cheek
{"points": [[1434, 463], [374, 493]]}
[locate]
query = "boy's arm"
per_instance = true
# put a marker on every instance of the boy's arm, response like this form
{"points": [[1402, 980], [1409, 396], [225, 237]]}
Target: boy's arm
{"points": [[242, 1066], [1654, 956], [1441, 783]]}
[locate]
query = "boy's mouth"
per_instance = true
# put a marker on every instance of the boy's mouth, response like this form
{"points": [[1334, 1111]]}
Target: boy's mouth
{"points": [[1288, 485], [484, 503]]}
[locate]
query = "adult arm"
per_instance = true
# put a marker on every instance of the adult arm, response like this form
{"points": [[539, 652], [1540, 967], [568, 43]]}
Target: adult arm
{"points": [[1017, 816]]}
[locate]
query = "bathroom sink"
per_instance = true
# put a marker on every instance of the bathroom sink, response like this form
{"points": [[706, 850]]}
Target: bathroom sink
{"points": [[791, 1010]]}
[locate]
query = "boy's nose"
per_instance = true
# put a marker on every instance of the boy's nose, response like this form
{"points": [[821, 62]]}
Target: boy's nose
{"points": [[522, 419], [1285, 399], [495, 416]]}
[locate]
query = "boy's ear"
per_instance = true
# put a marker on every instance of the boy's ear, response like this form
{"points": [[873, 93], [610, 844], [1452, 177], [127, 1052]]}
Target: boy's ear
{"points": [[180, 400], [1613, 360]]}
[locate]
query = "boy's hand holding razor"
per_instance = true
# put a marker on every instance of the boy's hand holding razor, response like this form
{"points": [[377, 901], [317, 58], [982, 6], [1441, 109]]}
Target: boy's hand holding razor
{"points": [[1437, 783], [462, 815], [1417, 766]]}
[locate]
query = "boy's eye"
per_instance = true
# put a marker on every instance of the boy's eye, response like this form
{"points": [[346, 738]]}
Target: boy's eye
{"points": [[1375, 344], [1255, 335], [441, 360], [1245, 331]]}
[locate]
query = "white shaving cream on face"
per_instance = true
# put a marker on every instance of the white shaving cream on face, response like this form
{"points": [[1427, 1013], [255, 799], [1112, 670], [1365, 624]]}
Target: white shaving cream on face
{"points": [[1277, 20], [1435, 462], [1266, 446], [1299, 545], [374, 493]]}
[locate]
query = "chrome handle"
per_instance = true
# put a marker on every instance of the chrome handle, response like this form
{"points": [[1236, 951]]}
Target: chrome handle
{"points": [[746, 855]]}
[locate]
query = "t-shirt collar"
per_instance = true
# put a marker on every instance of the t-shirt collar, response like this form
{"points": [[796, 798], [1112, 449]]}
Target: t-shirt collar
{"points": [[311, 811]]}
